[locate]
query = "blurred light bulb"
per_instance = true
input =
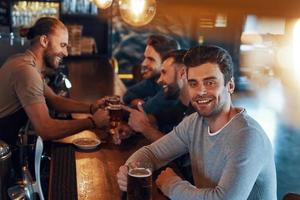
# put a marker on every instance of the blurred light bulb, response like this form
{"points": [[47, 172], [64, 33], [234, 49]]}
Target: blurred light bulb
{"points": [[103, 4], [137, 12]]}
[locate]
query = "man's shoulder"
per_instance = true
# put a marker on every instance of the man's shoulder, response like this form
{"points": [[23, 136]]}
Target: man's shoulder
{"points": [[19, 61], [25, 73], [192, 120], [244, 121], [245, 127], [193, 117]]}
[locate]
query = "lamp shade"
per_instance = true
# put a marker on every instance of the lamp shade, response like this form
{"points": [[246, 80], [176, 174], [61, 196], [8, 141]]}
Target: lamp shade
{"points": [[137, 12]]}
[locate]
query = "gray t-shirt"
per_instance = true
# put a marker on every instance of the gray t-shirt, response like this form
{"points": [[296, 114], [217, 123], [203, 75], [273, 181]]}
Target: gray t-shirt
{"points": [[21, 83], [235, 164]]}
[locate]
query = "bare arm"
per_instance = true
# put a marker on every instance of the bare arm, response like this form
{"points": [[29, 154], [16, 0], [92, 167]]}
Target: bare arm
{"points": [[49, 128], [67, 105]]}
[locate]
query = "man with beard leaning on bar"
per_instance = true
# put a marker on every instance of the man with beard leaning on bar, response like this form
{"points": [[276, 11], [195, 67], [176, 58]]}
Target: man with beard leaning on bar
{"points": [[148, 92], [23, 92], [232, 157]]}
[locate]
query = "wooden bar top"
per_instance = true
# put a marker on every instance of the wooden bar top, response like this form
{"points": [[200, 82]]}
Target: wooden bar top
{"points": [[96, 169]]}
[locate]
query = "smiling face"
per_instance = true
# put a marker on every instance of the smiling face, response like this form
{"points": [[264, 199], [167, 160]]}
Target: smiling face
{"points": [[209, 95], [169, 78], [152, 62], [57, 47]]}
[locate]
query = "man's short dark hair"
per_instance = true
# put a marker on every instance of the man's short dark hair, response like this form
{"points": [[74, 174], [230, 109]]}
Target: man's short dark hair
{"points": [[162, 44], [199, 55], [177, 55]]}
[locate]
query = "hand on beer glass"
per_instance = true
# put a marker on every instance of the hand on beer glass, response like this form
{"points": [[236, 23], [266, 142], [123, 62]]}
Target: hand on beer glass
{"points": [[122, 177], [101, 118], [139, 181], [100, 103]]}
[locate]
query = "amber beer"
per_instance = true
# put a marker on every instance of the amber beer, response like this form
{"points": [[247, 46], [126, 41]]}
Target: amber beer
{"points": [[139, 185], [115, 114]]}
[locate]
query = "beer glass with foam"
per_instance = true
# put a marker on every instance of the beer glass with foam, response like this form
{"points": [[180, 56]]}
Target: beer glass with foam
{"points": [[113, 104], [139, 185]]}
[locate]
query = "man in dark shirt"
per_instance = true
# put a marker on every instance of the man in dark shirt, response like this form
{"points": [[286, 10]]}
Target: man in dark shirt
{"points": [[174, 89], [174, 85], [148, 91]]}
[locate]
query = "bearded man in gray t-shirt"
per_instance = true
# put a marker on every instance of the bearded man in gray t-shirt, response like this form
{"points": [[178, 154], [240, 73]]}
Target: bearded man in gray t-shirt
{"points": [[23, 92], [232, 157]]}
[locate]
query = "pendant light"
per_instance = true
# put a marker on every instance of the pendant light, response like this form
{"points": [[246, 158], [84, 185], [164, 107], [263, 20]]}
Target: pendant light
{"points": [[137, 12]]}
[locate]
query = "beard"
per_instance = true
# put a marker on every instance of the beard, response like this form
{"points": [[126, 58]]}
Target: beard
{"points": [[172, 91], [212, 109], [50, 59], [148, 72], [213, 112]]}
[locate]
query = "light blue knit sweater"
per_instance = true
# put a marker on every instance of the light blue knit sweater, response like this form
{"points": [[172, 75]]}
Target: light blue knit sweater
{"points": [[236, 164]]}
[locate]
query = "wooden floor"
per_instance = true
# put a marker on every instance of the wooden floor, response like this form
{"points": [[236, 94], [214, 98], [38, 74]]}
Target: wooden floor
{"points": [[273, 105]]}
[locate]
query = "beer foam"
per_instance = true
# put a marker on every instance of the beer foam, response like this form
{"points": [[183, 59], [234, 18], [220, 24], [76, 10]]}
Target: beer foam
{"points": [[114, 107], [140, 172]]}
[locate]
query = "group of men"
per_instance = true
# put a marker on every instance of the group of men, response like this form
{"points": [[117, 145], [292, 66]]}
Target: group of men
{"points": [[229, 153]]}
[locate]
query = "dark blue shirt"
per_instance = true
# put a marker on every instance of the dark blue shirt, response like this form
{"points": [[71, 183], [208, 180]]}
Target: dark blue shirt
{"points": [[168, 112], [143, 90]]}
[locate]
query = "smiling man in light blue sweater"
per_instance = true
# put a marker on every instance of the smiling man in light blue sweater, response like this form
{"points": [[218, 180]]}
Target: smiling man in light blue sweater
{"points": [[232, 157]]}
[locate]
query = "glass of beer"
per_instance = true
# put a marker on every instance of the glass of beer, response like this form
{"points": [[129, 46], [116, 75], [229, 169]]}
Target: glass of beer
{"points": [[112, 100], [113, 104], [139, 185], [115, 114]]}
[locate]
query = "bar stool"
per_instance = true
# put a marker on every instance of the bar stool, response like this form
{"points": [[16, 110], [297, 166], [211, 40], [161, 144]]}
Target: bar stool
{"points": [[37, 167]]}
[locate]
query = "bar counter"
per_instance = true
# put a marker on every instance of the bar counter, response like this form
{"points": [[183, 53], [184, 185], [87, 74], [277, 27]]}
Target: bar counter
{"points": [[90, 175], [95, 170]]}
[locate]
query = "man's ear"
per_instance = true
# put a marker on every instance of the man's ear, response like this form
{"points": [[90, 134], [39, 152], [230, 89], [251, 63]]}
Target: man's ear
{"points": [[182, 72], [231, 86], [44, 41]]}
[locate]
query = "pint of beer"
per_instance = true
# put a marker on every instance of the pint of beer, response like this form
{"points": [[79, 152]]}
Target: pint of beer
{"points": [[115, 114], [113, 104], [139, 185]]}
